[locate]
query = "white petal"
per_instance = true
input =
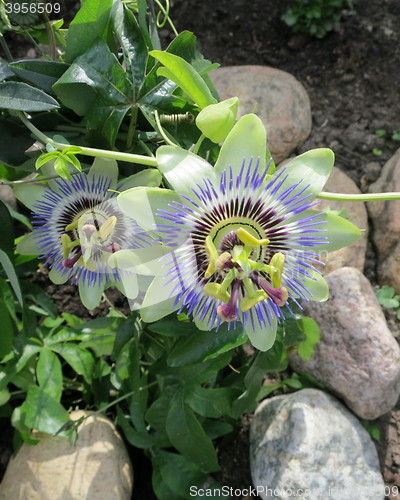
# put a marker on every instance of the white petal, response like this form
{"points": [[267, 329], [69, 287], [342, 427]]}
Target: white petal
{"points": [[90, 295], [29, 194], [106, 168], [28, 245], [263, 336]]}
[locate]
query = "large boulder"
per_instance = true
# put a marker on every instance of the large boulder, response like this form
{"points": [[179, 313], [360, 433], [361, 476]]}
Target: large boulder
{"points": [[97, 467], [309, 445], [281, 102], [385, 216], [357, 356]]}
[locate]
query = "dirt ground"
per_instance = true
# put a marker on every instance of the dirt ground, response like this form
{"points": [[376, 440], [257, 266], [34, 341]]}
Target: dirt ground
{"points": [[353, 81]]}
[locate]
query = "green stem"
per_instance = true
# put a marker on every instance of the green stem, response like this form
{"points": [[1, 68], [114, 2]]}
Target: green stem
{"points": [[37, 178], [198, 144], [51, 37], [132, 127], [96, 153], [359, 197], [161, 130]]}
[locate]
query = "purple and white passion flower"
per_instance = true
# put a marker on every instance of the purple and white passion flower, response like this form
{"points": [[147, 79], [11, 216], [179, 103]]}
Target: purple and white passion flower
{"points": [[240, 245], [77, 226]]}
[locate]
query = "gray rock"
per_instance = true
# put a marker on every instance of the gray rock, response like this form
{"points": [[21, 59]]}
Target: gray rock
{"points": [[357, 357], [386, 224], [308, 441], [282, 103]]}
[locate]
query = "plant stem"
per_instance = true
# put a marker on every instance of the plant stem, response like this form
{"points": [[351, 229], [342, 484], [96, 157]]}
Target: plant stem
{"points": [[161, 130], [101, 153], [132, 127], [359, 197], [198, 144]]}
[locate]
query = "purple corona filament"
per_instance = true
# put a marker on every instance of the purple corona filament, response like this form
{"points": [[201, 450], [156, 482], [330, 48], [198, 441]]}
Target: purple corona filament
{"points": [[242, 248]]}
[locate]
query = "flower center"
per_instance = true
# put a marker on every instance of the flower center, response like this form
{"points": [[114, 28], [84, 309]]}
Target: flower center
{"points": [[91, 240], [240, 276]]}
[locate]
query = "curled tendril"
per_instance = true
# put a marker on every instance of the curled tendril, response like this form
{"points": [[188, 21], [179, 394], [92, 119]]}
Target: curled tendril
{"points": [[166, 19]]}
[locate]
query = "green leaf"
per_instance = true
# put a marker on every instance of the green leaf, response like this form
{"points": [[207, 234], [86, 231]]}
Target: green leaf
{"points": [[22, 97], [90, 23], [307, 347], [178, 473], [42, 412], [11, 274], [7, 231], [172, 328], [61, 168], [45, 158], [7, 330], [213, 403], [15, 139], [339, 232], [5, 71], [81, 360], [201, 346], [132, 42], [42, 74], [96, 87], [188, 437], [49, 373], [185, 76], [138, 439]]}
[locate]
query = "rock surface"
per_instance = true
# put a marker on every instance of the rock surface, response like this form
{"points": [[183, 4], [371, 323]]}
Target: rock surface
{"points": [[98, 467], [308, 441], [354, 255], [7, 195], [357, 357], [385, 217], [282, 103]]}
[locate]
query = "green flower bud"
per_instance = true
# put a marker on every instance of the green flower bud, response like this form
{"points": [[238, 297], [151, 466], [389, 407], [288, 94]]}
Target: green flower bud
{"points": [[217, 120]]}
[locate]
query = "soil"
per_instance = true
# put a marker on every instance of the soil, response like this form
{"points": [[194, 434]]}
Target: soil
{"points": [[352, 77]]}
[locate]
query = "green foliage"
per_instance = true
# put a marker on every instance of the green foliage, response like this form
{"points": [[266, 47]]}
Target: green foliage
{"points": [[388, 298], [315, 17], [173, 390]]}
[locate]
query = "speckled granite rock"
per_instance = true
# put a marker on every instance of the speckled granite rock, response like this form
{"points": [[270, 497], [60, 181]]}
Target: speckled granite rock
{"points": [[309, 441], [357, 356], [385, 217], [354, 255], [282, 103], [98, 467]]}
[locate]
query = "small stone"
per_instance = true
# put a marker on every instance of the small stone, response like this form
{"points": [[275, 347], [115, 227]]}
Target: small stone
{"points": [[353, 255], [357, 357], [309, 441], [386, 224], [281, 102], [97, 467]]}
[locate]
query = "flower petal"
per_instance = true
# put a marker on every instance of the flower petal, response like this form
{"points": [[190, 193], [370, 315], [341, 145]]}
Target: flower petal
{"points": [[148, 177], [262, 337], [29, 194], [313, 167], [128, 285], [141, 204], [140, 260], [90, 295], [247, 139], [59, 276], [159, 300], [183, 170], [105, 168], [28, 245], [317, 286]]}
